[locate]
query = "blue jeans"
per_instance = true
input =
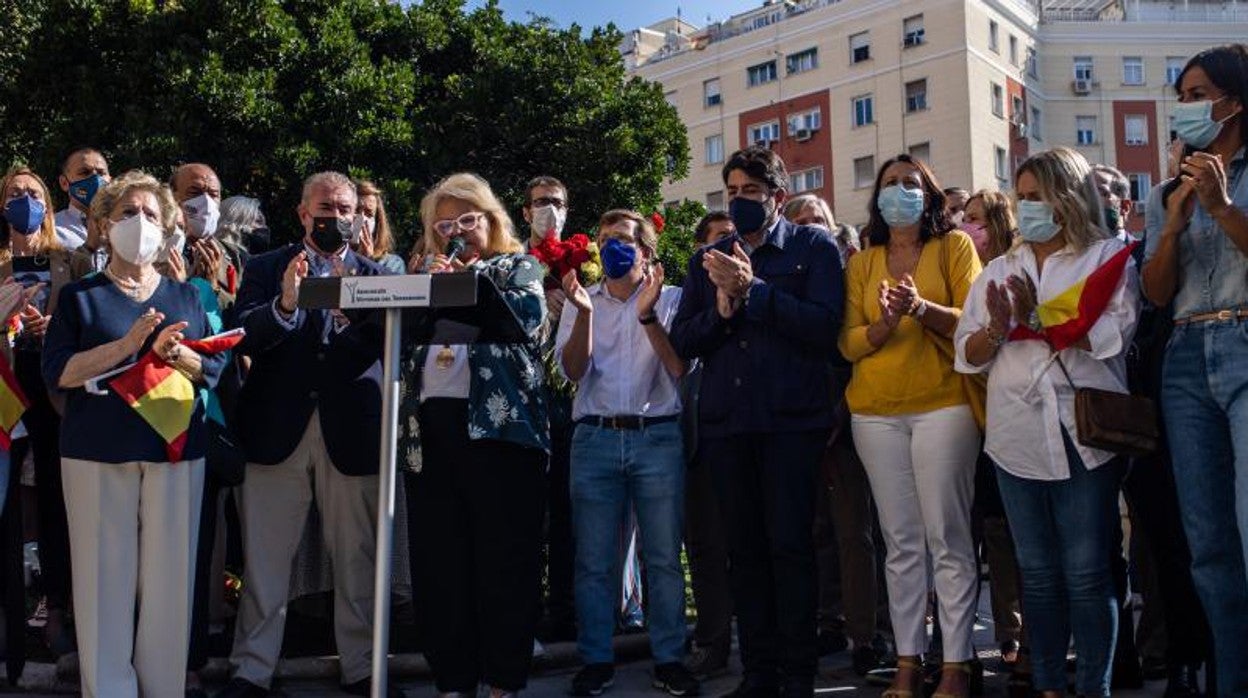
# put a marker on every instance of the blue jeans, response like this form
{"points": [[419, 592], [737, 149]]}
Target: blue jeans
{"points": [[1204, 396], [1064, 536], [613, 469]]}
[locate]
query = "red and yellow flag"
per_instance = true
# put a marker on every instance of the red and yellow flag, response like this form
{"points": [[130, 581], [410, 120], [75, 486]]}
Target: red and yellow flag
{"points": [[13, 403], [163, 396], [1067, 317]]}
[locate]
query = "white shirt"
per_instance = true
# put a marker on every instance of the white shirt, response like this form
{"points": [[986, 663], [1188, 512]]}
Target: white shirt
{"points": [[71, 228], [1028, 395], [452, 381], [624, 376]]}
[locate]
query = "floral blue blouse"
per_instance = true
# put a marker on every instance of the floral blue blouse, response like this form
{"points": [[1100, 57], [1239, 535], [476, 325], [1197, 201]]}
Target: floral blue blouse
{"points": [[506, 396]]}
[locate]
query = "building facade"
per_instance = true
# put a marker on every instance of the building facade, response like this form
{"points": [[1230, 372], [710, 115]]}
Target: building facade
{"points": [[837, 87]]}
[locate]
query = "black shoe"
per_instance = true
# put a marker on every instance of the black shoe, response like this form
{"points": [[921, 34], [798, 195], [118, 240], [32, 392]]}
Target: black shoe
{"points": [[364, 687], [707, 662], [1154, 668], [798, 688], [831, 642], [866, 659], [752, 688], [674, 678], [1126, 675], [593, 679], [1184, 682], [242, 688]]}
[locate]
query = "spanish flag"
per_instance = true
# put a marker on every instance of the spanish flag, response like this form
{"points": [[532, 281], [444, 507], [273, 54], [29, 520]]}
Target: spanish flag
{"points": [[13, 403], [163, 396], [1067, 317]]}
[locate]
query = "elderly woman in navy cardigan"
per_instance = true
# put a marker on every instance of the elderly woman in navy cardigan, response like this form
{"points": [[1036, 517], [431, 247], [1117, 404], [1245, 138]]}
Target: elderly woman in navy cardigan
{"points": [[133, 515]]}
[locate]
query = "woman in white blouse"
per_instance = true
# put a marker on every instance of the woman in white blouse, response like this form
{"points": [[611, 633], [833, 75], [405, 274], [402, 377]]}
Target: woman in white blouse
{"points": [[1061, 497]]}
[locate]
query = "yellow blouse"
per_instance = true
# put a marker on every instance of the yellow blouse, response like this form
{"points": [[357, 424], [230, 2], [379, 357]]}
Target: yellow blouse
{"points": [[910, 373]]}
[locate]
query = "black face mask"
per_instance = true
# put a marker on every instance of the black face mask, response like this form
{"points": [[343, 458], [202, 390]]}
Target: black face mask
{"points": [[258, 240], [330, 233]]}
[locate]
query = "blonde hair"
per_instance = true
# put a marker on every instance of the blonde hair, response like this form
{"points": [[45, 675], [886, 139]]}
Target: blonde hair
{"points": [[383, 239], [476, 192], [46, 239], [135, 180], [1066, 183], [647, 238], [998, 221]]}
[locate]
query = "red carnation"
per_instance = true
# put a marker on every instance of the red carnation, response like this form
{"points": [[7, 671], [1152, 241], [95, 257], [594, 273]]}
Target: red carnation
{"points": [[659, 221]]}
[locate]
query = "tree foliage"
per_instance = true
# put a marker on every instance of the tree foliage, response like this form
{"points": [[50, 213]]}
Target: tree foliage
{"points": [[269, 91]]}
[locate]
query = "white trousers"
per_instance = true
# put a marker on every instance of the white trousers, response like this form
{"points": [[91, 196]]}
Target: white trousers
{"points": [[132, 532], [922, 473], [273, 507]]}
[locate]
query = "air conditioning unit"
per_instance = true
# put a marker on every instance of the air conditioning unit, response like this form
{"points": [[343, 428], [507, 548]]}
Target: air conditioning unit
{"points": [[1020, 129], [802, 134], [1081, 87]]}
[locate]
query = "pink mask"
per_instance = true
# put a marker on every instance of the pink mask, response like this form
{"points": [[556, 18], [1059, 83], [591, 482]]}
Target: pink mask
{"points": [[979, 235]]}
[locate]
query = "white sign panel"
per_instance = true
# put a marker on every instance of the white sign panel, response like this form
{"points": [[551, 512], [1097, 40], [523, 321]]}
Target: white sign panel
{"points": [[407, 291]]}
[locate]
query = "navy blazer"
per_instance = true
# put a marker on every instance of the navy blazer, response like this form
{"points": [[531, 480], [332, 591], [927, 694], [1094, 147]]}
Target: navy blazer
{"points": [[293, 372], [765, 369]]}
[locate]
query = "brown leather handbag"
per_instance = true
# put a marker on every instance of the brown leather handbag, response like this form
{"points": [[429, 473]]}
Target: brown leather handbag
{"points": [[1117, 422]]}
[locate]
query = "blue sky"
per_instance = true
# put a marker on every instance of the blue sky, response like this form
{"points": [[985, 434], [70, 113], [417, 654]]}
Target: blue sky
{"points": [[627, 14]]}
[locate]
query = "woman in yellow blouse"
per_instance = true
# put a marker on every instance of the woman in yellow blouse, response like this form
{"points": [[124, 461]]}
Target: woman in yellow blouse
{"points": [[912, 424]]}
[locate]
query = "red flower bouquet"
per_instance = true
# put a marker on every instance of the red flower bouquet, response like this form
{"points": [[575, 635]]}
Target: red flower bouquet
{"points": [[575, 253]]}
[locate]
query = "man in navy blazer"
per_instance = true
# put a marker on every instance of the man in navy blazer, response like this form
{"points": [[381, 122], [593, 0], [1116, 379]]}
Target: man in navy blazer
{"points": [[309, 419], [762, 310]]}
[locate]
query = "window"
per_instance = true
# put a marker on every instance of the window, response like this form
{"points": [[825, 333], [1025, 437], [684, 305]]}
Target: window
{"points": [[912, 31], [710, 93], [1000, 163], [802, 62], [994, 36], [1033, 63], [921, 151], [670, 98], [715, 200], [1174, 66], [862, 111], [715, 149], [1085, 130], [916, 95], [864, 172], [1083, 67], [1132, 70], [761, 73], [764, 133], [1141, 183], [1013, 50], [998, 100], [1135, 128], [1034, 126], [808, 121], [859, 47], [806, 180], [1017, 113]]}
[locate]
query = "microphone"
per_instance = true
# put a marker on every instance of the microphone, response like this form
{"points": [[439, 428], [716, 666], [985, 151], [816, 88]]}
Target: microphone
{"points": [[453, 247]]}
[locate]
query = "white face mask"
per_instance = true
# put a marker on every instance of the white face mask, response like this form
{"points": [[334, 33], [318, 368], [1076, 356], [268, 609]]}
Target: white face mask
{"points": [[547, 218], [202, 214], [360, 224], [136, 239]]}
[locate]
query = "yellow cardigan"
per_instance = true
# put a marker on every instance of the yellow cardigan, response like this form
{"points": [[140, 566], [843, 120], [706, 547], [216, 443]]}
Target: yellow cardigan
{"points": [[909, 373]]}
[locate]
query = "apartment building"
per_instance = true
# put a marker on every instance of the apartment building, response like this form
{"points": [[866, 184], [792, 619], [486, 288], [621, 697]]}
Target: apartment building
{"points": [[971, 86]]}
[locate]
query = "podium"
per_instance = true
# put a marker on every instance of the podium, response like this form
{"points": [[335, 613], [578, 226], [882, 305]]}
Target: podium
{"points": [[451, 308]]}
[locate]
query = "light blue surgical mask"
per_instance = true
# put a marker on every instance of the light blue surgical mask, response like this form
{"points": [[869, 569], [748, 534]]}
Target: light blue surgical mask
{"points": [[899, 206], [1194, 123], [1035, 221]]}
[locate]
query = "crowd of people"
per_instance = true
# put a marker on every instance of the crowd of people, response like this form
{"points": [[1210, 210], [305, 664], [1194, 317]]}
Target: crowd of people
{"points": [[841, 430]]}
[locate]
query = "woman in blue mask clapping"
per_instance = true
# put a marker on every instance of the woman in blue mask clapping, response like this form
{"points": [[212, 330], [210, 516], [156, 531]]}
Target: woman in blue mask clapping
{"points": [[912, 422]]}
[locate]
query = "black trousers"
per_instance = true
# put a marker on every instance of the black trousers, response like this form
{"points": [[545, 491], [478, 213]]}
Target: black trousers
{"points": [[560, 548], [708, 557], [475, 517], [197, 654], [44, 426], [766, 487]]}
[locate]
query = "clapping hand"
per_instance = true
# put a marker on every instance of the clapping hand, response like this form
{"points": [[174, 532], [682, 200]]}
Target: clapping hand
{"points": [[208, 260], [888, 315], [296, 272], [733, 273], [14, 297], [1208, 177], [1023, 292], [576, 293], [904, 299], [651, 288], [142, 329], [168, 344], [34, 322], [1000, 307]]}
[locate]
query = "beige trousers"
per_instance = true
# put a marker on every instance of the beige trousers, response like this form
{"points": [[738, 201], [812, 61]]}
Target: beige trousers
{"points": [[132, 532], [274, 505]]}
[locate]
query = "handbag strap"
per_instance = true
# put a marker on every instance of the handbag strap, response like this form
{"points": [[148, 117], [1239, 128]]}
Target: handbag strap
{"points": [[1057, 356]]}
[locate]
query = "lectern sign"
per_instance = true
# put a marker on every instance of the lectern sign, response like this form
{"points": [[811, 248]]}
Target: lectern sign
{"points": [[410, 291]]}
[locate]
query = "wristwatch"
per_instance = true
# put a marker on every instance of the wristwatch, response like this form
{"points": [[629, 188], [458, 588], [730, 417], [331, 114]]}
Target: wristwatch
{"points": [[648, 319], [1033, 321], [921, 310]]}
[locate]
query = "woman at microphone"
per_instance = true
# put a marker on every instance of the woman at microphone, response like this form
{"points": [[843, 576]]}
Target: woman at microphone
{"points": [[474, 437]]}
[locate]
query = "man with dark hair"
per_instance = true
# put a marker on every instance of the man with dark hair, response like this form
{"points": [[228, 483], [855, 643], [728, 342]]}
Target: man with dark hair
{"points": [[84, 171], [713, 226], [762, 310]]}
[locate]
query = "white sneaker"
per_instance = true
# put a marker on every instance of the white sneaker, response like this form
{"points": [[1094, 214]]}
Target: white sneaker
{"points": [[539, 652]]}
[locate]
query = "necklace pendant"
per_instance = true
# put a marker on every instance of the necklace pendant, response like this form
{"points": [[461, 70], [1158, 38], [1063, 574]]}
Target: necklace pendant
{"points": [[445, 358]]}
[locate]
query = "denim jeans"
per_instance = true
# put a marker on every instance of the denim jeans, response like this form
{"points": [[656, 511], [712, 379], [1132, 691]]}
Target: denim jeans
{"points": [[612, 470], [1063, 533], [1204, 396]]}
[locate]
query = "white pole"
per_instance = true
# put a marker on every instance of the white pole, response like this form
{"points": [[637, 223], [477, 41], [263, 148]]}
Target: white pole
{"points": [[385, 501]]}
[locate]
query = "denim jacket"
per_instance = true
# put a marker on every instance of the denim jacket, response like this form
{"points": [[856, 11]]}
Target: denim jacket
{"points": [[506, 395]]}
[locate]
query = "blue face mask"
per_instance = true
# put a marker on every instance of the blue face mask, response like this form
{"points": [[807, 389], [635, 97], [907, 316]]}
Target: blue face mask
{"points": [[1193, 122], [748, 216], [618, 258], [1035, 221], [83, 191], [899, 206], [24, 214]]}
